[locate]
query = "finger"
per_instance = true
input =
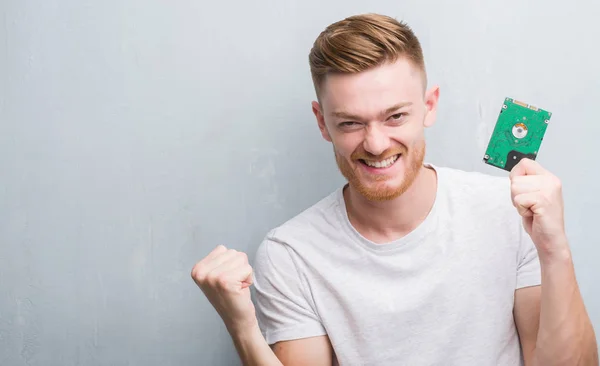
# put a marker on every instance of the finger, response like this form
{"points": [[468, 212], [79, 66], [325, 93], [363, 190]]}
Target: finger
{"points": [[220, 249], [245, 274], [242, 275], [526, 202], [525, 184], [234, 278], [219, 260], [229, 266], [199, 269], [249, 279], [527, 167]]}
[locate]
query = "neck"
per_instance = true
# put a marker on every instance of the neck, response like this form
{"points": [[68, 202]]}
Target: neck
{"points": [[383, 222]]}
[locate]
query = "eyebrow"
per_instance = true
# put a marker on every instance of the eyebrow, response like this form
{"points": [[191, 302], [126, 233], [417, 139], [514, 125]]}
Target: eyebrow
{"points": [[350, 116]]}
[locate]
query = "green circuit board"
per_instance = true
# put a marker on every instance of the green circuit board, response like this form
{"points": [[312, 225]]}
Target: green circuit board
{"points": [[518, 134]]}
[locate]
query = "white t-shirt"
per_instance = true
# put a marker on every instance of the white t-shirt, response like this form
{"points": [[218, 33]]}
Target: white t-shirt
{"points": [[441, 295]]}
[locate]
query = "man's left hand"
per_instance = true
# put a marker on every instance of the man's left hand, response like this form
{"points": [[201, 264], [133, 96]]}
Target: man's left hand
{"points": [[537, 195]]}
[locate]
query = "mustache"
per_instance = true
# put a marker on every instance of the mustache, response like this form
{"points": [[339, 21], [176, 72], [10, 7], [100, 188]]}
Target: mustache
{"points": [[361, 154]]}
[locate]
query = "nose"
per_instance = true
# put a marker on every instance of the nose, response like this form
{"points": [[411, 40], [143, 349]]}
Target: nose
{"points": [[376, 141]]}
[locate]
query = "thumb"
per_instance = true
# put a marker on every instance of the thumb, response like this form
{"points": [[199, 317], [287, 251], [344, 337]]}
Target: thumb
{"points": [[246, 275], [525, 203]]}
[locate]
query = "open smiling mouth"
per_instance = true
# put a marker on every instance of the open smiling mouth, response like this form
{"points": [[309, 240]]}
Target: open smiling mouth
{"points": [[382, 164]]}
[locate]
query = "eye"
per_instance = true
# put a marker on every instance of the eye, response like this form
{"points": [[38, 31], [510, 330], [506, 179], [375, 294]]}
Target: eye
{"points": [[397, 116], [349, 124]]}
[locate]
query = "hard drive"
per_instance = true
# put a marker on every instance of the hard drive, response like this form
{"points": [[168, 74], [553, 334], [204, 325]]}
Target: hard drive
{"points": [[518, 134]]}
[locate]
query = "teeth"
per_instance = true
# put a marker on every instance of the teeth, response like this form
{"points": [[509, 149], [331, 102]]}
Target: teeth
{"points": [[382, 164]]}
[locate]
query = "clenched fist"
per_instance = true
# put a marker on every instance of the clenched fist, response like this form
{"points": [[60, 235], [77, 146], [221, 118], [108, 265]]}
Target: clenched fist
{"points": [[225, 276], [537, 195]]}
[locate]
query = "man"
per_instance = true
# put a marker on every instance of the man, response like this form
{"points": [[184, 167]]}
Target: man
{"points": [[409, 263]]}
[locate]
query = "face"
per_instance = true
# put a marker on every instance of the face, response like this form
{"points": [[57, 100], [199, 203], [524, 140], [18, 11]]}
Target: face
{"points": [[376, 120]]}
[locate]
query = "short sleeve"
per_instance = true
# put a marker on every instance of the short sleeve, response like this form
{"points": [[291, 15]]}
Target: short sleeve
{"points": [[282, 309], [528, 266]]}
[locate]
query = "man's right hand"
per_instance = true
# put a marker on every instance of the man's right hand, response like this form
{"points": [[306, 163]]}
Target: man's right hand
{"points": [[224, 276]]}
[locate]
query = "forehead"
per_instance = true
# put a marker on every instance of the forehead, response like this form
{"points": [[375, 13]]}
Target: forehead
{"points": [[372, 90]]}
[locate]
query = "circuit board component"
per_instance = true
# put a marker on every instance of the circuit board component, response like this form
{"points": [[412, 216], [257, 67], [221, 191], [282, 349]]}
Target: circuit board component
{"points": [[518, 134]]}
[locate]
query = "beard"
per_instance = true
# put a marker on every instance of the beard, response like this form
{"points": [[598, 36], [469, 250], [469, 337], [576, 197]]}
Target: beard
{"points": [[378, 187]]}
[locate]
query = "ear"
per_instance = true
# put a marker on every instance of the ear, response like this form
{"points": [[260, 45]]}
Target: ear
{"points": [[431, 102], [320, 120]]}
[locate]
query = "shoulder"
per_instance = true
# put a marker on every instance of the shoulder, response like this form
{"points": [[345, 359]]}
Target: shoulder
{"points": [[304, 228], [481, 204], [320, 216], [477, 197], [476, 187], [473, 180]]}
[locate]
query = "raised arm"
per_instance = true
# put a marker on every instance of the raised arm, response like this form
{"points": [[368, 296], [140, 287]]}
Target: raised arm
{"points": [[224, 276], [552, 321]]}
